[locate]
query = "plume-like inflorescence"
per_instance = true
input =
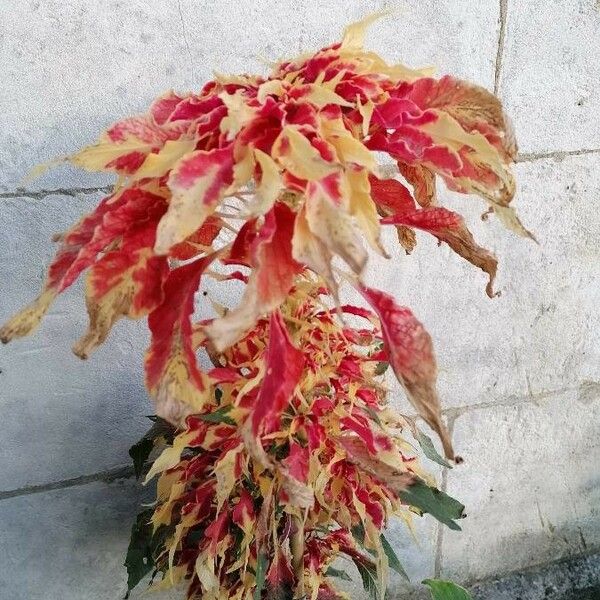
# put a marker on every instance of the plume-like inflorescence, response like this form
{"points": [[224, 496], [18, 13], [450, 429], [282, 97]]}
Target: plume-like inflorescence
{"points": [[269, 180], [296, 461]]}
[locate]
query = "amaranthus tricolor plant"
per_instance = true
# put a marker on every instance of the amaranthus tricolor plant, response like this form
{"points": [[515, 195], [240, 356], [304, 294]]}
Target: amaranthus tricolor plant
{"points": [[284, 455]]}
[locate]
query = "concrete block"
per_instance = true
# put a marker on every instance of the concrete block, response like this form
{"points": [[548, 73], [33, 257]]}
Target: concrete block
{"points": [[541, 333], [62, 417], [529, 484], [70, 69], [550, 74], [68, 544]]}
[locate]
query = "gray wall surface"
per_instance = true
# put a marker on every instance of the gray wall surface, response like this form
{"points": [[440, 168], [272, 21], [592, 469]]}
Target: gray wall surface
{"points": [[520, 374]]}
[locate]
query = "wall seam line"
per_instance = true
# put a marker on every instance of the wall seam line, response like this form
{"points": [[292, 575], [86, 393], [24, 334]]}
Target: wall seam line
{"points": [[555, 154], [41, 194], [500, 49], [107, 476]]}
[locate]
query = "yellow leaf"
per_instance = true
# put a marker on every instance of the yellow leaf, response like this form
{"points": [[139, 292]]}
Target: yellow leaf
{"points": [[321, 96], [270, 183], [334, 227], [225, 474], [272, 87], [351, 150], [238, 113], [354, 34], [96, 157], [363, 209], [311, 251], [28, 319], [170, 456], [157, 164], [295, 153], [366, 112]]}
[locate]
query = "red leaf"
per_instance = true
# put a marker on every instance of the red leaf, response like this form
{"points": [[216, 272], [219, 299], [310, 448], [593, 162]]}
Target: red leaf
{"points": [[412, 359], [284, 364], [125, 282], [270, 281], [201, 239], [243, 514], [172, 373], [198, 182], [449, 227], [297, 462], [391, 196]]}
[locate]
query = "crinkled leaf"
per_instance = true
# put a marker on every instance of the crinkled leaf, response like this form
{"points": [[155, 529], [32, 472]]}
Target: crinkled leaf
{"points": [[412, 359], [449, 227]]}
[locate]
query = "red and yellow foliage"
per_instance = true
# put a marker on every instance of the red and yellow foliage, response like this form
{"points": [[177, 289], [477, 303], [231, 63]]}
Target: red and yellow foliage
{"points": [[278, 176]]}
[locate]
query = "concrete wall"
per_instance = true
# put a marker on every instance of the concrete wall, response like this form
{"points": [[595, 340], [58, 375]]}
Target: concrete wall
{"points": [[520, 375]]}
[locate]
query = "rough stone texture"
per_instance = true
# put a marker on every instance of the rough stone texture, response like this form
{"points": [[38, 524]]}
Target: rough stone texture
{"points": [[62, 417], [550, 72], [520, 373], [575, 579], [529, 484], [67, 544], [541, 334], [72, 68]]}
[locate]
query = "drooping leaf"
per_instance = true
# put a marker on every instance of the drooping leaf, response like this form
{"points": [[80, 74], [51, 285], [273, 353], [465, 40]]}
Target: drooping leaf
{"points": [[271, 279], [449, 227], [435, 502], [139, 560], [393, 560], [331, 223], [339, 573], [446, 590], [127, 282], [368, 574], [172, 373], [429, 450], [260, 574], [359, 454], [412, 359], [284, 364]]}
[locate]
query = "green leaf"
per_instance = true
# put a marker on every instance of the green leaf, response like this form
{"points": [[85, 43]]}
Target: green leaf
{"points": [[358, 533], [139, 561], [446, 590], [429, 450], [139, 453], [339, 573], [381, 367], [218, 416], [393, 560], [435, 502], [368, 574], [261, 570]]}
